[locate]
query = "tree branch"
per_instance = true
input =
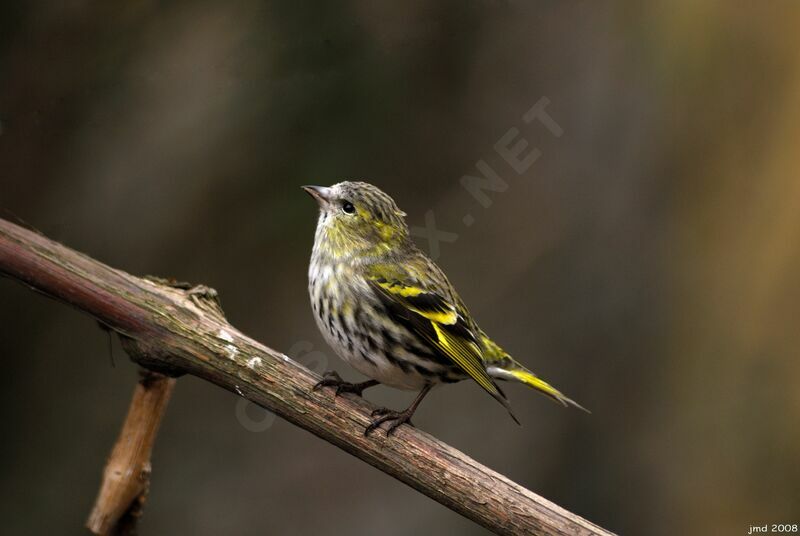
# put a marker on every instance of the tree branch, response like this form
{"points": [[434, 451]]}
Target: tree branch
{"points": [[127, 474], [176, 332]]}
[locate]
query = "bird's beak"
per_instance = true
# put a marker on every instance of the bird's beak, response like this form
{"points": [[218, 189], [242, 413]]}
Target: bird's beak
{"points": [[320, 193]]}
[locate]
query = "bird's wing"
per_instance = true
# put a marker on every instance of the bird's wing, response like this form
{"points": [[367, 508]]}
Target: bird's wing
{"points": [[435, 319]]}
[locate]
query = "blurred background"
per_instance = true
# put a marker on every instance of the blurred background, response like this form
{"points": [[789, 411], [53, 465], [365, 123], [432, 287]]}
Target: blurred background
{"points": [[646, 262]]}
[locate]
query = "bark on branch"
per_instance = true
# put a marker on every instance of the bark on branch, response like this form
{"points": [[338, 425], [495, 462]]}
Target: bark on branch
{"points": [[177, 332]]}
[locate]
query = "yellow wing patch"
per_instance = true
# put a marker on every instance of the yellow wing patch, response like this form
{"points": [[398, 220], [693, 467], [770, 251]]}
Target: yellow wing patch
{"points": [[464, 353], [440, 312], [448, 318], [398, 289]]}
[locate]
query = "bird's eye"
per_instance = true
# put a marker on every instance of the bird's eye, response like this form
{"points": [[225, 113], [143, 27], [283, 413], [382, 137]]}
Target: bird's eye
{"points": [[348, 208]]}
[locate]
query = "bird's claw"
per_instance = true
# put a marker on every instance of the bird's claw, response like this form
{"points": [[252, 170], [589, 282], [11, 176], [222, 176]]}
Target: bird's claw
{"points": [[329, 379], [385, 415], [332, 379]]}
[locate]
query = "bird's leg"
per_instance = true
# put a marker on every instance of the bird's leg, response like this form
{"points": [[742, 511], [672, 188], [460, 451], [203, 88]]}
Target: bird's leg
{"points": [[332, 379], [397, 417]]}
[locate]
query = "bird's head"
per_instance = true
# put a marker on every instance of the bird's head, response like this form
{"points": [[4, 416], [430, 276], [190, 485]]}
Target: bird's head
{"points": [[357, 218]]}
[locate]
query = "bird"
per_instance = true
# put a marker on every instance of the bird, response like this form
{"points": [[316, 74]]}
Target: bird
{"points": [[391, 313]]}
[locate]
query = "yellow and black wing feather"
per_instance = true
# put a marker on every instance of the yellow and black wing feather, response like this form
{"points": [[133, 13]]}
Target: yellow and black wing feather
{"points": [[437, 321]]}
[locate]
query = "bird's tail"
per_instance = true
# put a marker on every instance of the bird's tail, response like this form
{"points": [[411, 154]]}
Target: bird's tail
{"points": [[523, 375], [502, 366]]}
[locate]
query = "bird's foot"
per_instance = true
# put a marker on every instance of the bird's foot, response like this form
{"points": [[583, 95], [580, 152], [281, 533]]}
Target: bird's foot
{"points": [[385, 415], [332, 379]]}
